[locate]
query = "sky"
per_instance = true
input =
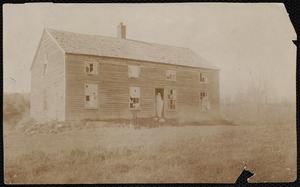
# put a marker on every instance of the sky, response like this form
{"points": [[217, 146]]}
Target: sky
{"points": [[249, 42]]}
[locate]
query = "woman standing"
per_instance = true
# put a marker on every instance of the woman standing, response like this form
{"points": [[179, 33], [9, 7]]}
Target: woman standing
{"points": [[159, 105]]}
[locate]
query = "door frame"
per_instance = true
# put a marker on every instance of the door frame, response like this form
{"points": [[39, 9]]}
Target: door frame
{"points": [[55, 94], [164, 102]]}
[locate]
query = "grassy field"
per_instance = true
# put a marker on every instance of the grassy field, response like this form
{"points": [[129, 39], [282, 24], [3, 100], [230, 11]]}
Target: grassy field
{"points": [[103, 153]]}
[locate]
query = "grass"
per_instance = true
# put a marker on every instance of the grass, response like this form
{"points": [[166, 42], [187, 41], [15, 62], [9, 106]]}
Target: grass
{"points": [[120, 152]]}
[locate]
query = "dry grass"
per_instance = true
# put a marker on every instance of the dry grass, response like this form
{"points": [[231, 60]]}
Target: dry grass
{"points": [[100, 152]]}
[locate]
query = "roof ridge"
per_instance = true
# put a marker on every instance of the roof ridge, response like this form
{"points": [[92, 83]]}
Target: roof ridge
{"points": [[116, 38], [158, 44], [91, 44]]}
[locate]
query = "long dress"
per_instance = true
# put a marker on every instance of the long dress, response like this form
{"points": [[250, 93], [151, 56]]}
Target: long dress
{"points": [[159, 105]]}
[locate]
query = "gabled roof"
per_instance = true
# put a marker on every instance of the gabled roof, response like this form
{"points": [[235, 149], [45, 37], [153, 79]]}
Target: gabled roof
{"points": [[76, 43]]}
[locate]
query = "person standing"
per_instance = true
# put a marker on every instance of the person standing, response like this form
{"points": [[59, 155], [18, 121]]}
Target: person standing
{"points": [[159, 105]]}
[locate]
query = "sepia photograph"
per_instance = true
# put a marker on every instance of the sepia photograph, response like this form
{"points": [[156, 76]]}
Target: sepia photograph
{"points": [[149, 93]]}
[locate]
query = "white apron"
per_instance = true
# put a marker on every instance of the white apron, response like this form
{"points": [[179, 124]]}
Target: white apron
{"points": [[159, 105]]}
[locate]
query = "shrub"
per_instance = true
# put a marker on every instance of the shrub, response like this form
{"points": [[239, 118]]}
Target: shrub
{"points": [[15, 107]]}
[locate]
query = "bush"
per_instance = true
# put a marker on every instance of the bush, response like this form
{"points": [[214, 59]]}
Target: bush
{"points": [[15, 107]]}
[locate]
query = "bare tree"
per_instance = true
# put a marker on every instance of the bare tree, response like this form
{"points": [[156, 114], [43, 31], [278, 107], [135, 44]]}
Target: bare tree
{"points": [[267, 88], [255, 97]]}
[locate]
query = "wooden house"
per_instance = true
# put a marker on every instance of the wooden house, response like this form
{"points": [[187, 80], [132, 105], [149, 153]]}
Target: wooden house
{"points": [[78, 76]]}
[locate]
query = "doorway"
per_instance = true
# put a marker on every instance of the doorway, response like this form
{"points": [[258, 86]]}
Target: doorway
{"points": [[55, 102], [159, 102]]}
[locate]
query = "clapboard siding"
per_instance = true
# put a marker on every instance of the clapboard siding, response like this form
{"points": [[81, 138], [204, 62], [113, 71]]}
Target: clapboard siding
{"points": [[53, 83], [113, 88]]}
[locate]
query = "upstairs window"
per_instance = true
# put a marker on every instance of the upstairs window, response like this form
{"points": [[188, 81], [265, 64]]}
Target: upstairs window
{"points": [[203, 77], [171, 99], [91, 95], [45, 67], [204, 101], [171, 75], [91, 68], [133, 71], [134, 98]]}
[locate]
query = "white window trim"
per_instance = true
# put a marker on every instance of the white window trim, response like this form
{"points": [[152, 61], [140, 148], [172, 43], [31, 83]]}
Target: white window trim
{"points": [[95, 67], [167, 99], [200, 101], [171, 70], [84, 97], [45, 69], [139, 108], [205, 82], [45, 64]]}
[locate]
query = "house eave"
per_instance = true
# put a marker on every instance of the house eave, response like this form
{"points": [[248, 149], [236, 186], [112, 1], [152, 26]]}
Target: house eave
{"points": [[153, 62]]}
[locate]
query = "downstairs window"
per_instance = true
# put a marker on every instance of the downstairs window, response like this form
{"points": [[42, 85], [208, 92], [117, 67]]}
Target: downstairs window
{"points": [[171, 99], [91, 95], [134, 98], [204, 101]]}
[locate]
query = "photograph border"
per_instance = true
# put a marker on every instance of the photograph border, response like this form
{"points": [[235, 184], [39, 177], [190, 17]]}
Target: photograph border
{"points": [[293, 9]]}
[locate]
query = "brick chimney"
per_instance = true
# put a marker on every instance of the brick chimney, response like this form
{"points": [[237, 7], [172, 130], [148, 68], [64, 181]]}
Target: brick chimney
{"points": [[121, 31]]}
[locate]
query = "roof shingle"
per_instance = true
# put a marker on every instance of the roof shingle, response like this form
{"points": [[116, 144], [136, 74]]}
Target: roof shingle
{"points": [[129, 49]]}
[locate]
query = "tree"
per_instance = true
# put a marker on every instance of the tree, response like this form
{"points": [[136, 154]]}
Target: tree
{"points": [[15, 107], [267, 88]]}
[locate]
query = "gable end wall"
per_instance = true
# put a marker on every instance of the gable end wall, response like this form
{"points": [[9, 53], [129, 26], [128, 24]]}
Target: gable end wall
{"points": [[53, 83]]}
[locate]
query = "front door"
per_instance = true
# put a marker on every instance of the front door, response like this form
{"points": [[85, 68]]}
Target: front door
{"points": [[159, 103], [54, 101]]}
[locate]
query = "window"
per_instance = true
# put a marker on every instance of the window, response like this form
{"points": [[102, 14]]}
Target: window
{"points": [[133, 71], [172, 99], [134, 98], [171, 75], [91, 68], [204, 101], [91, 95], [45, 100], [45, 67], [203, 77]]}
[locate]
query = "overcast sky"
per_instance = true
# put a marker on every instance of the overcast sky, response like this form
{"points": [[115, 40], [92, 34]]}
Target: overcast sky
{"points": [[248, 42]]}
